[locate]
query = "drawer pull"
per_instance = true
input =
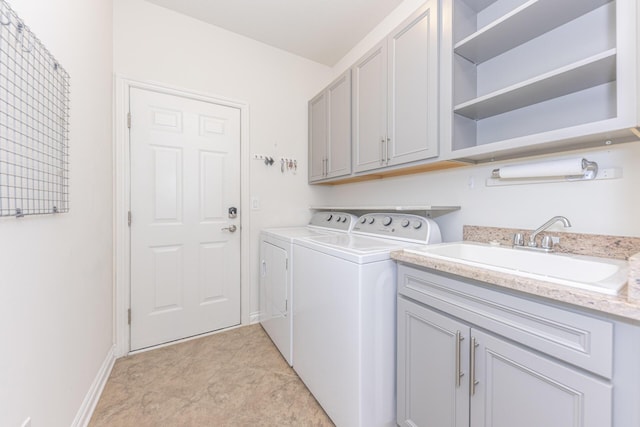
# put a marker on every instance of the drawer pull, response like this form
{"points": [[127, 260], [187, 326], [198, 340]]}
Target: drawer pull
{"points": [[459, 373], [472, 369]]}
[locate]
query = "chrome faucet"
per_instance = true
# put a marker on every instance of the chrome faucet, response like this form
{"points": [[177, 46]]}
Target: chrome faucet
{"points": [[532, 239]]}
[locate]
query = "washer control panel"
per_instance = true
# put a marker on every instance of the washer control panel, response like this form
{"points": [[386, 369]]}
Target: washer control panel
{"points": [[333, 220], [399, 226]]}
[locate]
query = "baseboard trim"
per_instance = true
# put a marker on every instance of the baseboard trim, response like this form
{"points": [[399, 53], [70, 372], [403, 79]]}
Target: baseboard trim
{"points": [[254, 317], [93, 395]]}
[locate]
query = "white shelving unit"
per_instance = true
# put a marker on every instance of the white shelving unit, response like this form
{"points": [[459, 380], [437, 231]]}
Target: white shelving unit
{"points": [[524, 23], [423, 210], [593, 71], [535, 76]]}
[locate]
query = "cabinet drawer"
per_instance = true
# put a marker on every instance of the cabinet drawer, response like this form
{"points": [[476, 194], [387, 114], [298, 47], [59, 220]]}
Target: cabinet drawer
{"points": [[578, 339]]}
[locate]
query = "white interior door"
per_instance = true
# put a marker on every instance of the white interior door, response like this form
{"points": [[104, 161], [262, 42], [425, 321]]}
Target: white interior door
{"points": [[185, 258]]}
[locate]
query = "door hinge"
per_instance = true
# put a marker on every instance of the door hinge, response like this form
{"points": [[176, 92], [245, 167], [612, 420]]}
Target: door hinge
{"points": [[129, 120], [129, 316], [129, 218]]}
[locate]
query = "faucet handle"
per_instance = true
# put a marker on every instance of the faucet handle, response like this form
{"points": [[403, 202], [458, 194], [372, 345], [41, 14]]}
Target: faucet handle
{"points": [[547, 242], [518, 239]]}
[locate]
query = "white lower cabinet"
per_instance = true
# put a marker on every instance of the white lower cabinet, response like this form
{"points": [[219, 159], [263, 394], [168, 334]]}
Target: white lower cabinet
{"points": [[432, 388], [274, 294], [517, 387], [454, 371]]}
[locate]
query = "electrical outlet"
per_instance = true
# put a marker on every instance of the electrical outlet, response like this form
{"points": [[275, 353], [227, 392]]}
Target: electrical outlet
{"points": [[26, 423]]}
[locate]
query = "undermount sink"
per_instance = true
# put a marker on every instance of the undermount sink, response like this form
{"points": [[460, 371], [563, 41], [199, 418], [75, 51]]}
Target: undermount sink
{"points": [[601, 275]]}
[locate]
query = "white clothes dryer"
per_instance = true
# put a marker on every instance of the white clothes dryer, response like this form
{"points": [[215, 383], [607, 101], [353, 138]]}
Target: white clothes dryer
{"points": [[276, 268], [344, 318]]}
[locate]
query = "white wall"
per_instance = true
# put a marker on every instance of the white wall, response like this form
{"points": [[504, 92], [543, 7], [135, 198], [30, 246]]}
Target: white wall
{"points": [[599, 207], [155, 44], [56, 271]]}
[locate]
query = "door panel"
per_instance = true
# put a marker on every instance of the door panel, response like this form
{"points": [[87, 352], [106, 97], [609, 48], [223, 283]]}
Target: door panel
{"points": [[370, 108], [339, 126], [167, 278], [517, 387], [274, 304], [168, 184], [212, 203], [429, 392], [213, 261], [185, 174], [317, 136], [413, 88]]}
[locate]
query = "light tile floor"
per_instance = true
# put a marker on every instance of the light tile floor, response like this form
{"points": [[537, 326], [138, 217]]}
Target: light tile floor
{"points": [[234, 378]]}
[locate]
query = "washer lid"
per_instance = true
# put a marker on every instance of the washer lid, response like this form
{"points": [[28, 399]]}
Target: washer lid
{"points": [[291, 233], [354, 248]]}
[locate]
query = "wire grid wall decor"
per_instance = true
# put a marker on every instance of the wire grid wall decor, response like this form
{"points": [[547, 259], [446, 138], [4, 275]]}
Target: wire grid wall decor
{"points": [[34, 123]]}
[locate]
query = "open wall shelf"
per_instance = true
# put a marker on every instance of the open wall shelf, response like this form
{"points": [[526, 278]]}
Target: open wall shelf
{"points": [[593, 71], [423, 210], [524, 23], [534, 72]]}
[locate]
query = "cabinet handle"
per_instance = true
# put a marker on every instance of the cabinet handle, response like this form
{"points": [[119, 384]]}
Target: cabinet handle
{"points": [[472, 369], [325, 166], [459, 373], [264, 268], [386, 150], [383, 154]]}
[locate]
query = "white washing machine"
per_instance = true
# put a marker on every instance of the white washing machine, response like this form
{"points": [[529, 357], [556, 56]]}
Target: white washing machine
{"points": [[344, 318], [276, 267]]}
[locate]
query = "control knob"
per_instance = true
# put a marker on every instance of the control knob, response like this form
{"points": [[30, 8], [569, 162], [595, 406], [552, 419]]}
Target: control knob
{"points": [[405, 223], [386, 220], [328, 218], [363, 220], [372, 220], [417, 225]]}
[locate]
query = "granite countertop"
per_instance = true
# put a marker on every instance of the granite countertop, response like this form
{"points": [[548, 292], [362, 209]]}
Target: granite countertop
{"points": [[618, 305]]}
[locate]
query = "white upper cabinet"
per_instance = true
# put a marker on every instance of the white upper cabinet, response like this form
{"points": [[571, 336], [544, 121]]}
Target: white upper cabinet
{"points": [[413, 88], [330, 131], [370, 109], [317, 136], [542, 75], [395, 109]]}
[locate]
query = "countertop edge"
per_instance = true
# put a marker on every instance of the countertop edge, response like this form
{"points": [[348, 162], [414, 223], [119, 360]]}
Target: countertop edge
{"points": [[614, 305]]}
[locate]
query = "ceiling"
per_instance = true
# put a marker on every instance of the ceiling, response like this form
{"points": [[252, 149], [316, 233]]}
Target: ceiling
{"points": [[320, 30]]}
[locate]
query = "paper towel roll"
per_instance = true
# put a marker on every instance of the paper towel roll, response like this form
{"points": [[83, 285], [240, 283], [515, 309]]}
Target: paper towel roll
{"points": [[566, 167]]}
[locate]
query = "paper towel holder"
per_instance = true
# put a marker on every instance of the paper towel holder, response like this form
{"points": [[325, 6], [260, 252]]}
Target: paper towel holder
{"points": [[590, 171]]}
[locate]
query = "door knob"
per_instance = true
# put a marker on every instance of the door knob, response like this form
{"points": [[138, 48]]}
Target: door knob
{"points": [[232, 228]]}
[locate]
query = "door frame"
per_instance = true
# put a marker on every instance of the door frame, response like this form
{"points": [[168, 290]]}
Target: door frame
{"points": [[122, 194]]}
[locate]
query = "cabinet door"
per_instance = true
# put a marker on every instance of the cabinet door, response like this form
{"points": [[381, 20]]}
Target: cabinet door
{"points": [[317, 136], [517, 387], [370, 109], [339, 126], [264, 286], [413, 88], [274, 297], [433, 356]]}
